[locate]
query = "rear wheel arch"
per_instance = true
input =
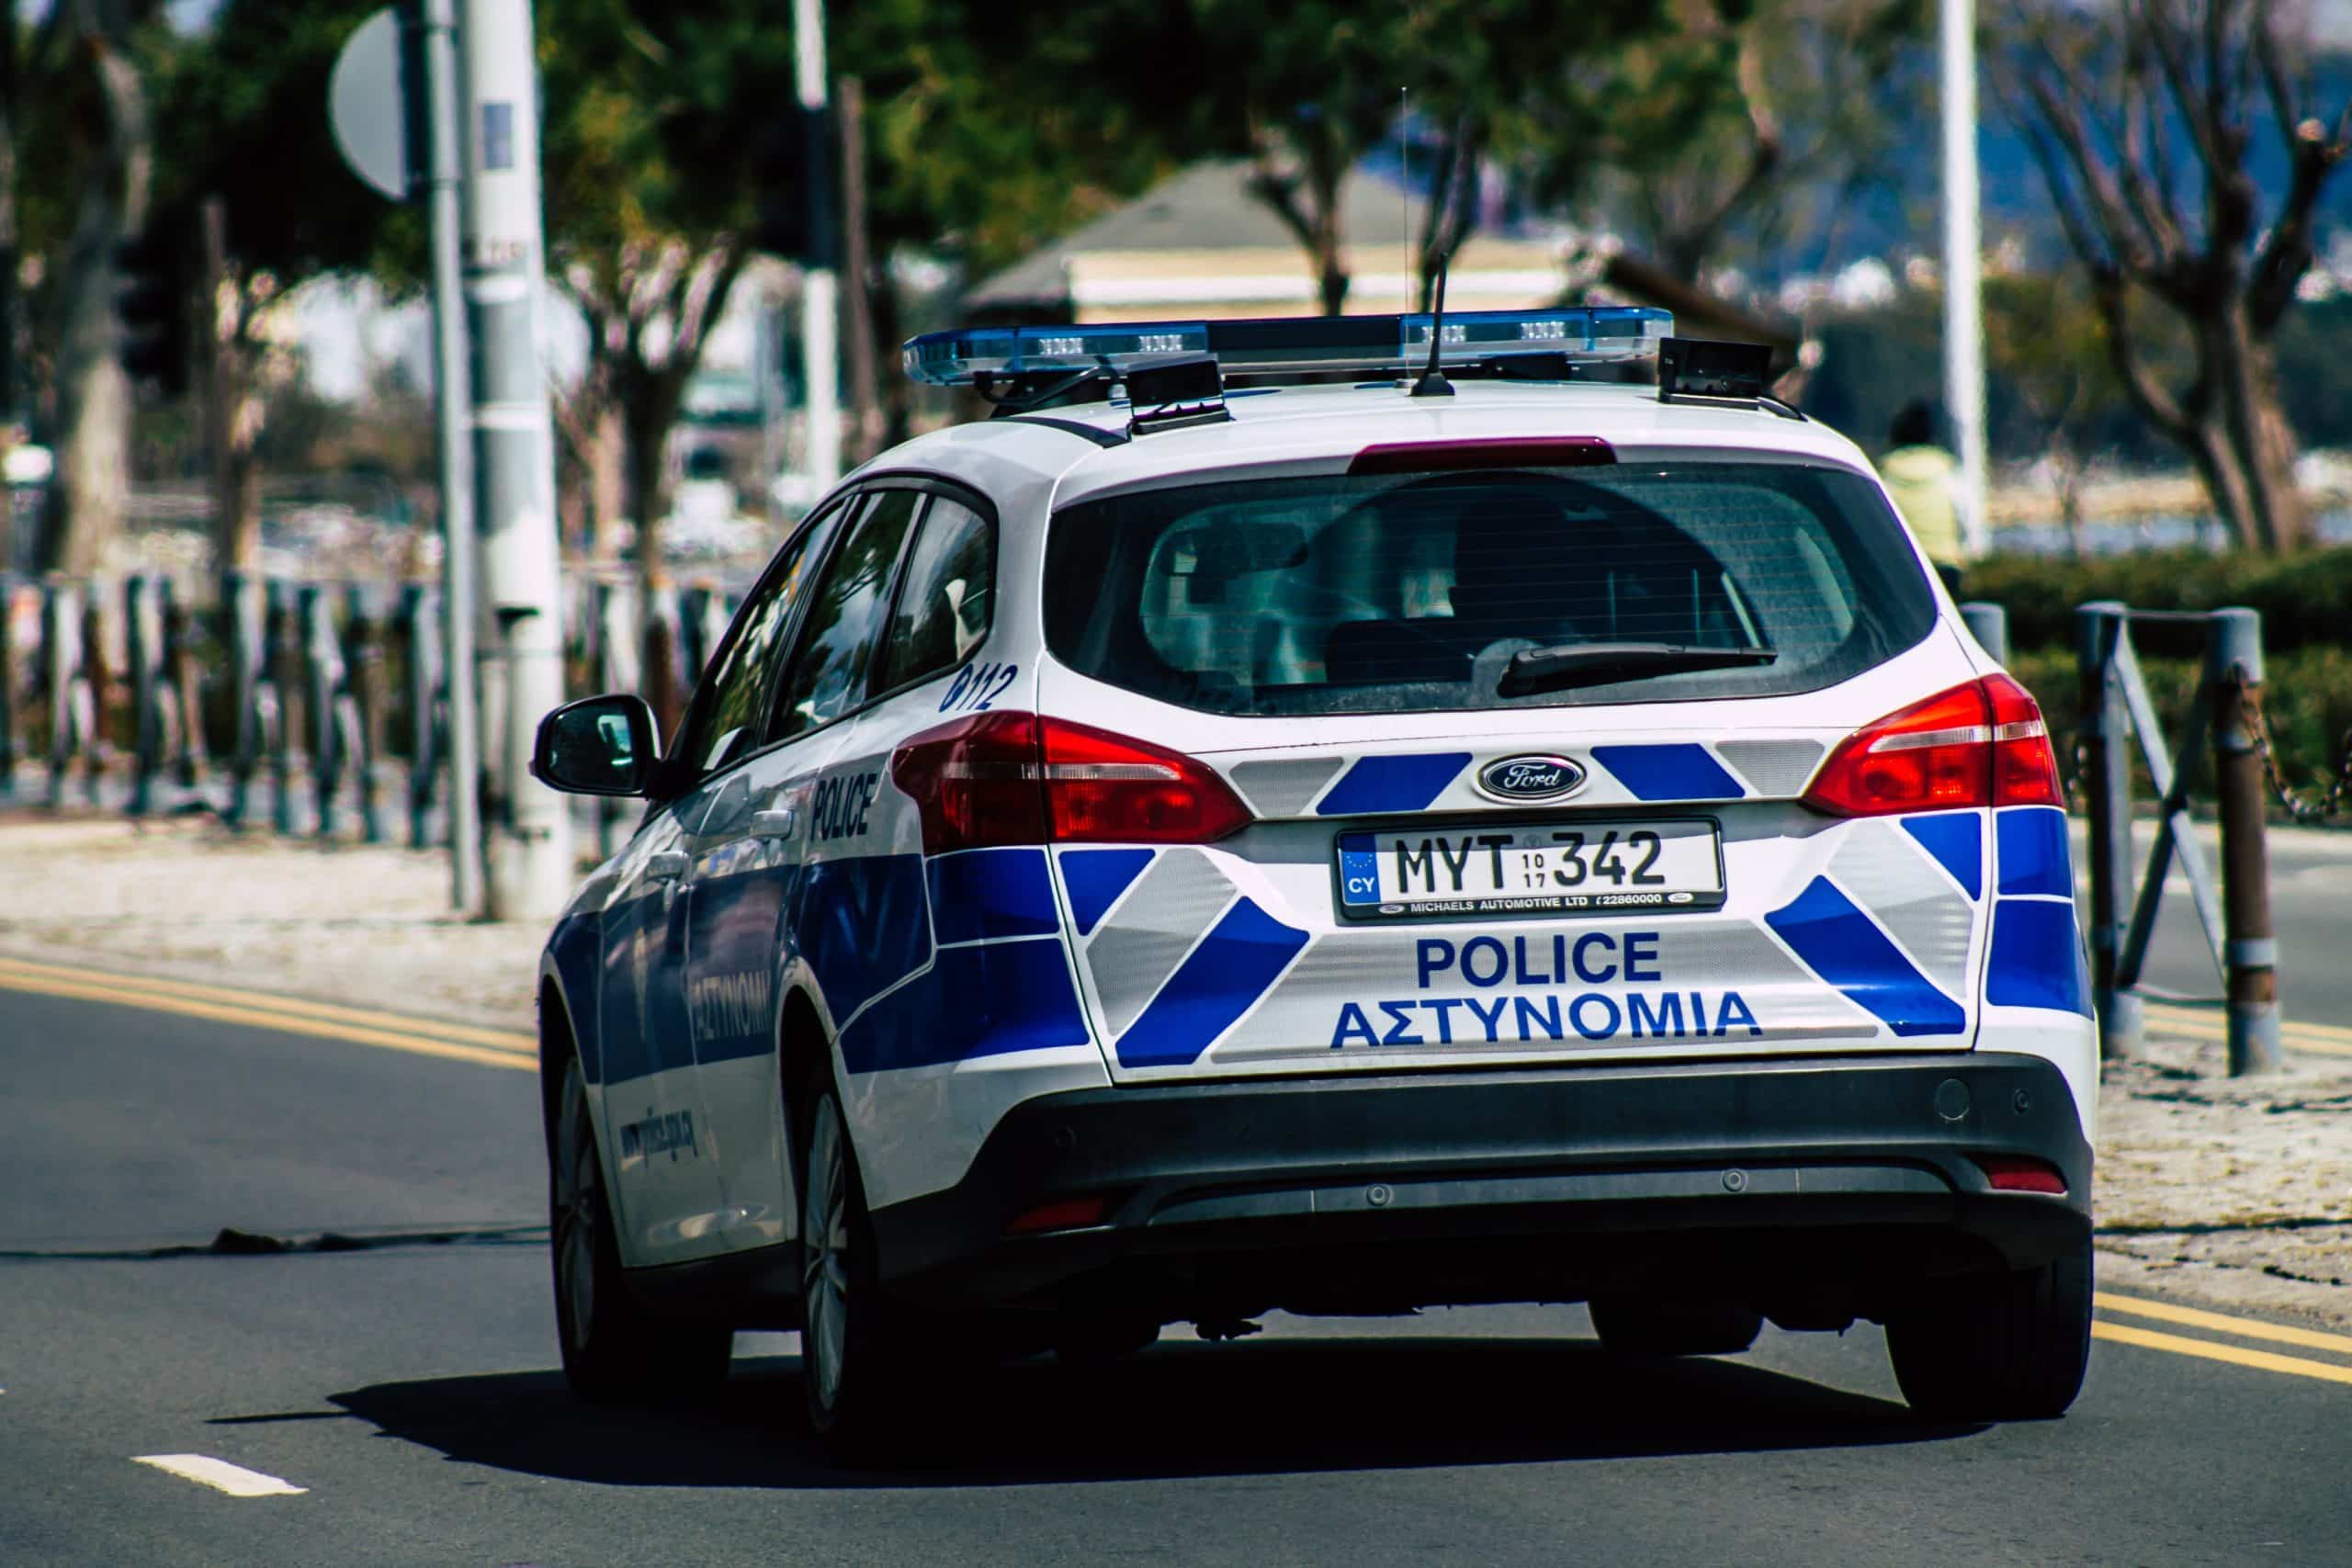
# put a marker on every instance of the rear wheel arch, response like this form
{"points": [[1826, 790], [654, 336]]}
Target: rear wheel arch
{"points": [[804, 1061], [558, 1045]]}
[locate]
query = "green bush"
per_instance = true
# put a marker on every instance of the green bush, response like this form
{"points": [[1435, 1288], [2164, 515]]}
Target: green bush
{"points": [[2306, 600], [2307, 696]]}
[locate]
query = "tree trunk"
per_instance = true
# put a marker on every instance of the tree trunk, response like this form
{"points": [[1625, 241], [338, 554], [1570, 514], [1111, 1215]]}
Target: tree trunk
{"points": [[646, 411], [2255, 419], [646, 416], [2242, 445], [607, 460], [90, 491]]}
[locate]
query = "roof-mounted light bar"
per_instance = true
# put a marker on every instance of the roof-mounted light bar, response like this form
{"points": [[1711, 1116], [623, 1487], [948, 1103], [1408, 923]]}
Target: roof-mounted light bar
{"points": [[1293, 346]]}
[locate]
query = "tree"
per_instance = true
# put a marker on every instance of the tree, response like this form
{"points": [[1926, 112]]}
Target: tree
{"points": [[1720, 135], [11, 47], [1314, 86], [649, 119], [257, 181], [94, 143], [2130, 110], [2045, 346]]}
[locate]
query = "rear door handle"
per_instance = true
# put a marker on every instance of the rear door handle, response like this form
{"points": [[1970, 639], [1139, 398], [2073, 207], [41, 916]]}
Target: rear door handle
{"points": [[775, 824], [667, 865]]}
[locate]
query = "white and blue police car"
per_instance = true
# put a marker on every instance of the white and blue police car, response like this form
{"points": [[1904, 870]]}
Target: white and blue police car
{"points": [[1333, 816]]}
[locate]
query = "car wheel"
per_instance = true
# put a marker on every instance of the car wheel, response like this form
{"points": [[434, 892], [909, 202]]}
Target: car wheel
{"points": [[612, 1349], [865, 1358], [1636, 1326], [2009, 1347]]}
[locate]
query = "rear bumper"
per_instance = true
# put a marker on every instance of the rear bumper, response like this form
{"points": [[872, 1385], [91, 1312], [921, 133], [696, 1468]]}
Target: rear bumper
{"points": [[1809, 1182]]}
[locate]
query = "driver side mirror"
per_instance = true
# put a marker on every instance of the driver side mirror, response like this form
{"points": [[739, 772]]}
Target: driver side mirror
{"points": [[597, 746]]}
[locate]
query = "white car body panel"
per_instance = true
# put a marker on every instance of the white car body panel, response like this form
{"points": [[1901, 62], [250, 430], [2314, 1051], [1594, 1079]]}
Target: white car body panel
{"points": [[895, 1007]]}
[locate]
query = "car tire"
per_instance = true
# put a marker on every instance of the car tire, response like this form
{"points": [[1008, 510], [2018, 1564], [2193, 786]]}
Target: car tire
{"points": [[2009, 1346], [1636, 1325], [613, 1349], [865, 1360]]}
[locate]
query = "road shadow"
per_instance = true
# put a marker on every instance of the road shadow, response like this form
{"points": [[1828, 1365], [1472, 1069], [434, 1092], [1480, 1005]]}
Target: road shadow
{"points": [[1177, 1410]]}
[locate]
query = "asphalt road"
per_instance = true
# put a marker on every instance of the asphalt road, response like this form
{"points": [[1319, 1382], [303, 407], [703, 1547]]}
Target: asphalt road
{"points": [[2311, 907], [408, 1387]]}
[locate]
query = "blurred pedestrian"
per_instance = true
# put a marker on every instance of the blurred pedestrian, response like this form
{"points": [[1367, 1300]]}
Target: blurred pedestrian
{"points": [[1923, 480]]}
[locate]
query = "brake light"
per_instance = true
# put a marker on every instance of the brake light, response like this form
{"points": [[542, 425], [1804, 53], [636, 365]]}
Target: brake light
{"points": [[1017, 778], [1494, 452], [2021, 1173], [1980, 744], [2025, 768]]}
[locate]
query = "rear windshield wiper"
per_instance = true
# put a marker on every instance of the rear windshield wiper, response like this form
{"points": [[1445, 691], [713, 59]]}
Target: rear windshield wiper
{"points": [[1603, 663]]}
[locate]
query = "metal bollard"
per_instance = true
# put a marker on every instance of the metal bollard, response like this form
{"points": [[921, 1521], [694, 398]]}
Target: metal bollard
{"points": [[322, 680], [241, 623], [613, 609], [694, 619], [282, 664], [2250, 949], [11, 716], [97, 697], [362, 663], [142, 639], [715, 616], [2104, 727], [183, 679], [418, 625], [658, 668], [60, 638], [1989, 624]]}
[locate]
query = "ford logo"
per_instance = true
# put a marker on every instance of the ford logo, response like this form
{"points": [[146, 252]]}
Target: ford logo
{"points": [[1531, 778]]}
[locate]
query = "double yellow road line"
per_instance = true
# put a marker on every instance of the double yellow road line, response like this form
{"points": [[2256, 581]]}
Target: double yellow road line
{"points": [[289, 1015], [2203, 1023], [2336, 1345]]}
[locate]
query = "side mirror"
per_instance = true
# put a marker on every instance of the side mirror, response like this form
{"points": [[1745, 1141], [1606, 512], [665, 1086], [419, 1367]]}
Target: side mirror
{"points": [[597, 746]]}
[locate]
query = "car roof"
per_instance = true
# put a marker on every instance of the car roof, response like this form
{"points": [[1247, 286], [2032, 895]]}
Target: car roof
{"points": [[1081, 451]]}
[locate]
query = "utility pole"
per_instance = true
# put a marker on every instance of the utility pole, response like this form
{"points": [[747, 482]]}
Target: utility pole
{"points": [[452, 397], [820, 321], [1964, 295], [865, 392], [529, 860]]}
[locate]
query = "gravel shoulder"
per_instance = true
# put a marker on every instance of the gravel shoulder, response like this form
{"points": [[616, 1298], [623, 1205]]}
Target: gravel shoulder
{"points": [[185, 899], [2235, 1192]]}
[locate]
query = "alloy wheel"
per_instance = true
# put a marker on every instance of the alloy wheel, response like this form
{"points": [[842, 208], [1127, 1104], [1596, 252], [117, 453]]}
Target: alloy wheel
{"points": [[824, 1229]]}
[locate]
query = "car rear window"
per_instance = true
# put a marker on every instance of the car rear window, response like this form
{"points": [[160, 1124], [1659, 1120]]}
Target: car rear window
{"points": [[1383, 594]]}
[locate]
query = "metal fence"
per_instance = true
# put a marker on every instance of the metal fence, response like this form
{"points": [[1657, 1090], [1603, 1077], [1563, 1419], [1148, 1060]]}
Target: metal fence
{"points": [[311, 707]]}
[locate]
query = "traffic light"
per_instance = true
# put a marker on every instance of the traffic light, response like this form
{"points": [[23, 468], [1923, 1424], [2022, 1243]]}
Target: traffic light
{"points": [[793, 164], [153, 282]]}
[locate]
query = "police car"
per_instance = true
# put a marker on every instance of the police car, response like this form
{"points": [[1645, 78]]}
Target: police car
{"points": [[1340, 816]]}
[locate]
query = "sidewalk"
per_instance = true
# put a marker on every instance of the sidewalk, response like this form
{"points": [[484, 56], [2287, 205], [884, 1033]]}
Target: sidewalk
{"points": [[187, 899], [2235, 1192]]}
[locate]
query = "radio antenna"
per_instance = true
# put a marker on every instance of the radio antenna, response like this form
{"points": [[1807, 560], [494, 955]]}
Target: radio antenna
{"points": [[1433, 383]]}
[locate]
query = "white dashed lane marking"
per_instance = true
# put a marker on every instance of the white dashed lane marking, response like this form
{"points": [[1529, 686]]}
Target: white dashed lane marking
{"points": [[220, 1475]]}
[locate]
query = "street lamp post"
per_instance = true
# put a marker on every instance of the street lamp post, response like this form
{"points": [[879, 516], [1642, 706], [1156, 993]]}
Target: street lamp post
{"points": [[1964, 298]]}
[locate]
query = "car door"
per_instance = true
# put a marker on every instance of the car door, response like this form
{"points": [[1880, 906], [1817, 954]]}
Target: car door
{"points": [[666, 1152], [663, 1185], [754, 853]]}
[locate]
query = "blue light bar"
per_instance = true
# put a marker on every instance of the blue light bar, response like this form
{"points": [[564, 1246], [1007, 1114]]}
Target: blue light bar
{"points": [[1594, 333]]}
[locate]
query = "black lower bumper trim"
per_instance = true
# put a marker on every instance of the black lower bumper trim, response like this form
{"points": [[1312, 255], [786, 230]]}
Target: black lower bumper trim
{"points": [[1499, 1186]]}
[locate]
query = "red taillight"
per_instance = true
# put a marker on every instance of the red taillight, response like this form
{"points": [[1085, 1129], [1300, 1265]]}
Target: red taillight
{"points": [[1015, 778], [2024, 768], [2021, 1173], [1061, 1214], [1980, 744]]}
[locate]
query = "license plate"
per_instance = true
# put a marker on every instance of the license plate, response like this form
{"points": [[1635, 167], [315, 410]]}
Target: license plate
{"points": [[1588, 868]]}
